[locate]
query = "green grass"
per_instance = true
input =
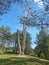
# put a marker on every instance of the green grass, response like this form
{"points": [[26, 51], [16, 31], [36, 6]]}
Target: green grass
{"points": [[9, 59]]}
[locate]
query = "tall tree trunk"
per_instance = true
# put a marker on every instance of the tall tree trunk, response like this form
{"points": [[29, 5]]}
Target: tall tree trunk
{"points": [[24, 38], [19, 43]]}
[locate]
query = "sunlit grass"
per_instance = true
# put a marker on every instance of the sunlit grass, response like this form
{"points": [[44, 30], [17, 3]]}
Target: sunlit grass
{"points": [[13, 59]]}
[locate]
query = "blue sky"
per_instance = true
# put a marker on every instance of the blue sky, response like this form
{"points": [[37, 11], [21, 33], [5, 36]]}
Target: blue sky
{"points": [[11, 19]]}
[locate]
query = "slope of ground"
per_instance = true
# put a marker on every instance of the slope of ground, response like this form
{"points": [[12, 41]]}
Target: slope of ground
{"points": [[8, 59]]}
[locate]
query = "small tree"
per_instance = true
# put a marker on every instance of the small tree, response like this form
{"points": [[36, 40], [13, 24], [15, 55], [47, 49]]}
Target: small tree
{"points": [[5, 35]]}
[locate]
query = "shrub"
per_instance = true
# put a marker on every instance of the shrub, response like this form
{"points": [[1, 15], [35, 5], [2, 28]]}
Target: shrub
{"points": [[42, 55], [47, 55]]}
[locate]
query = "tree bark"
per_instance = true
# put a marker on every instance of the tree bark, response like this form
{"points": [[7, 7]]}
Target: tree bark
{"points": [[19, 43], [24, 38]]}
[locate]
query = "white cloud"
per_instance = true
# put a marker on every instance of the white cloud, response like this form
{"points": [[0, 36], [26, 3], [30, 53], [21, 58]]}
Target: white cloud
{"points": [[40, 3], [36, 0]]}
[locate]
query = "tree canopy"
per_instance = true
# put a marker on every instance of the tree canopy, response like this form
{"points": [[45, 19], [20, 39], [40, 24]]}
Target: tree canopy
{"points": [[46, 4], [5, 5]]}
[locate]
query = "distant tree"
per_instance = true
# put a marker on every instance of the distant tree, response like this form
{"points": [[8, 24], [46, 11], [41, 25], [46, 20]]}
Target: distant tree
{"points": [[42, 48], [40, 42], [5, 35]]}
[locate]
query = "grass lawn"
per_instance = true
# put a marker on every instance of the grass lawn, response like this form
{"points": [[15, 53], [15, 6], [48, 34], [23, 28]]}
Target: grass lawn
{"points": [[9, 59]]}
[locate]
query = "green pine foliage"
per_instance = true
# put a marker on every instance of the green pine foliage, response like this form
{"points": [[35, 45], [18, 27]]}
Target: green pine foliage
{"points": [[42, 48]]}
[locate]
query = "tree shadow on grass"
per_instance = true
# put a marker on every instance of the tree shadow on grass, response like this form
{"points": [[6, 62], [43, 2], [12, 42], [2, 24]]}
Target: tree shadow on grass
{"points": [[10, 61], [21, 61]]}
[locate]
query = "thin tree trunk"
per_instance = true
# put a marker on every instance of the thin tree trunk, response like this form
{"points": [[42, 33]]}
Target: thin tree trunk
{"points": [[15, 47], [2, 48], [19, 43]]}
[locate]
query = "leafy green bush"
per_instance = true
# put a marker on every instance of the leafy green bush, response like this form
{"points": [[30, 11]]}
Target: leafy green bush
{"points": [[8, 52], [42, 55], [47, 55]]}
